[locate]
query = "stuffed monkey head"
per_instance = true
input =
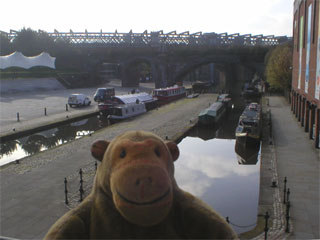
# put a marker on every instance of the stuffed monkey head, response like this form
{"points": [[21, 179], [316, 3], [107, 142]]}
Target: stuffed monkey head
{"points": [[137, 171]]}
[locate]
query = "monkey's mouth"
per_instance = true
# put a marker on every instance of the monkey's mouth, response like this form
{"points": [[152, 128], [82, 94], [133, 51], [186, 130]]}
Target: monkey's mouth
{"points": [[158, 199]]}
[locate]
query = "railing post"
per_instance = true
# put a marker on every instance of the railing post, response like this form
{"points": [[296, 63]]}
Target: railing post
{"points": [[66, 191], [270, 128], [284, 190], [288, 194], [287, 215], [266, 228], [81, 187]]}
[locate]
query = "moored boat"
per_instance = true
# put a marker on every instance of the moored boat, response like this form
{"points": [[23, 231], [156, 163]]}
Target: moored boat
{"points": [[212, 115], [125, 111], [149, 101], [166, 95], [248, 131], [226, 99]]}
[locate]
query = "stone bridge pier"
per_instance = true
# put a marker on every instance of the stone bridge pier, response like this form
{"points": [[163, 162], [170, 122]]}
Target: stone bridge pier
{"points": [[161, 71], [230, 73]]}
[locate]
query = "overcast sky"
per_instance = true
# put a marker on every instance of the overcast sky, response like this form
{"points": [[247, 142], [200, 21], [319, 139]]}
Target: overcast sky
{"points": [[267, 17]]}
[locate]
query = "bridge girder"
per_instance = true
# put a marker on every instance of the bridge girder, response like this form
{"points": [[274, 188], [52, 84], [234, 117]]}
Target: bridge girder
{"points": [[94, 39]]}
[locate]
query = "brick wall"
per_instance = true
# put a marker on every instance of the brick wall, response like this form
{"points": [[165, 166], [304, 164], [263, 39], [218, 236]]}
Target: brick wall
{"points": [[306, 58]]}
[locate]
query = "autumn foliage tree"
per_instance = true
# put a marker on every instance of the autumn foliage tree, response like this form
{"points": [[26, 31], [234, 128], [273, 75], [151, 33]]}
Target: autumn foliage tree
{"points": [[279, 67], [5, 45]]}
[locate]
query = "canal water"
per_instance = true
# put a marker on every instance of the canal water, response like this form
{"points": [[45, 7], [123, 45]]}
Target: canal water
{"points": [[14, 150], [212, 166]]}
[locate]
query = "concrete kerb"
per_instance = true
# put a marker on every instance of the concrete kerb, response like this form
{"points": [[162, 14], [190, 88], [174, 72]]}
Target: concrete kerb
{"points": [[27, 130]]}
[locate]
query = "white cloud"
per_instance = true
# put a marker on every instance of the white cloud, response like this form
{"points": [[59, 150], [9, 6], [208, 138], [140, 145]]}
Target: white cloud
{"points": [[200, 167]]}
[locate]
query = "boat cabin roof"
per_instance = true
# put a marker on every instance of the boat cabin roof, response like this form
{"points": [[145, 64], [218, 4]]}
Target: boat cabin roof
{"points": [[251, 113], [132, 98], [169, 88], [215, 106], [223, 96], [129, 105], [253, 107]]}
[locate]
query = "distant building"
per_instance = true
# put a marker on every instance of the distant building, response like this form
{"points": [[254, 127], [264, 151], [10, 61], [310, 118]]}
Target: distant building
{"points": [[305, 96]]}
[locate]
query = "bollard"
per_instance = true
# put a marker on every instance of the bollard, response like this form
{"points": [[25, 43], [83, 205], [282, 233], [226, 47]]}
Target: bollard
{"points": [[45, 111], [266, 228], [18, 117], [284, 190], [81, 185], [67, 108], [81, 193], [167, 138], [288, 194], [287, 215], [270, 122], [96, 165], [66, 191], [80, 172]]}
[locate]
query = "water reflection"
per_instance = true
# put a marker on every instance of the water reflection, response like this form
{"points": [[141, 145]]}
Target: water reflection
{"points": [[22, 147], [8, 147], [247, 155], [210, 170]]}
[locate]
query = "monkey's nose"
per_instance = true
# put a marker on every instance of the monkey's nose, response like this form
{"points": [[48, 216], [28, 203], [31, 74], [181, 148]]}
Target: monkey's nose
{"points": [[143, 181]]}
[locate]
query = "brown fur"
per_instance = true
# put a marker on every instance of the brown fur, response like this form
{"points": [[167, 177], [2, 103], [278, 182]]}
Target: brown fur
{"points": [[135, 195]]}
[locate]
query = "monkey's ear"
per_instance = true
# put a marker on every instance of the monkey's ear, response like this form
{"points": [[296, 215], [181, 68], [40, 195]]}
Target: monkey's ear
{"points": [[98, 149], [174, 150]]}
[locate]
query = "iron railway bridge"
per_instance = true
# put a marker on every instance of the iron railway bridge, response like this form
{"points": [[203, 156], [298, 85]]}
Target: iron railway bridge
{"points": [[160, 38], [227, 68]]}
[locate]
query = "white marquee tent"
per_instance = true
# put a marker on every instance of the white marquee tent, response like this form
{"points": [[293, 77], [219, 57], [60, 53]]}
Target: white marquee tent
{"points": [[17, 59]]}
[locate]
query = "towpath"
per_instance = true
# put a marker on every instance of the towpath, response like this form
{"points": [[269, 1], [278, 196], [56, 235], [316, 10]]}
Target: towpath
{"points": [[298, 160], [32, 192]]}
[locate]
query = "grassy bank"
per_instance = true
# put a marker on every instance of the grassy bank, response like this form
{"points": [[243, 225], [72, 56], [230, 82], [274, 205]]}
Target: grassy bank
{"points": [[35, 72]]}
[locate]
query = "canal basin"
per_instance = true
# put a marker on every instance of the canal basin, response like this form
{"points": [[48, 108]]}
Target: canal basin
{"points": [[210, 170]]}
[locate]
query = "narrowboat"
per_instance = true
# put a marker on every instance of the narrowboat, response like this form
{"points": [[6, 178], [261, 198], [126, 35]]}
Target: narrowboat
{"points": [[248, 131], [226, 99], [212, 115], [250, 92], [166, 95], [125, 111], [146, 98], [149, 101]]}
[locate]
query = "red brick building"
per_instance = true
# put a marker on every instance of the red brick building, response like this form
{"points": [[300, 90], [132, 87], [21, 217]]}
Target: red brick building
{"points": [[305, 95]]}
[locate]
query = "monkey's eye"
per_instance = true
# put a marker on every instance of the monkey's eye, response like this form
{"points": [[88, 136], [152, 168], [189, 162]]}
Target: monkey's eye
{"points": [[157, 152], [123, 153]]}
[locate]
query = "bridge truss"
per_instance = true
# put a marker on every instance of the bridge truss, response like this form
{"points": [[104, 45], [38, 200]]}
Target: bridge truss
{"points": [[159, 38]]}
